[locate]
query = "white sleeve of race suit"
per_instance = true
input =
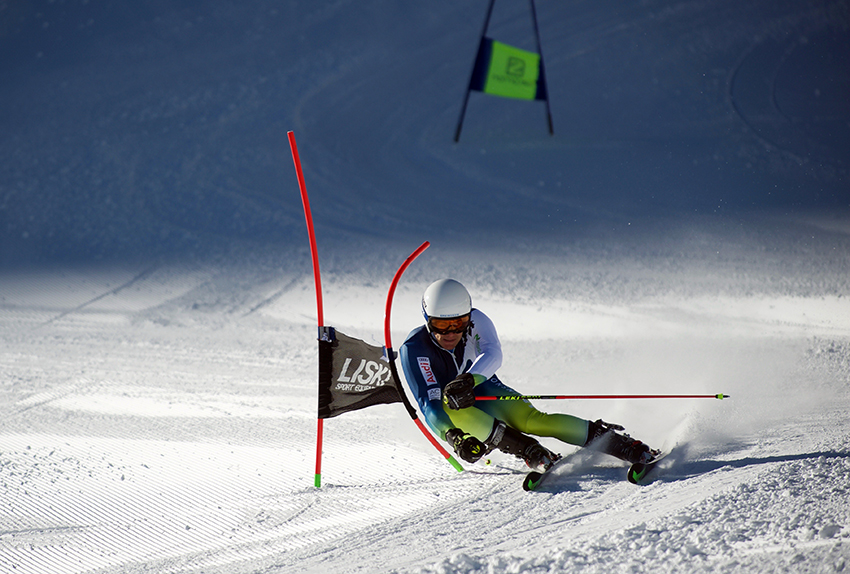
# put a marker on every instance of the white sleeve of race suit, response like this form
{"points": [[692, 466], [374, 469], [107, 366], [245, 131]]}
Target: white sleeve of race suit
{"points": [[485, 346]]}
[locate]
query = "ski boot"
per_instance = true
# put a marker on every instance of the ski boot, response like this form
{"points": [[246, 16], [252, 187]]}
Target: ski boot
{"points": [[511, 441], [602, 437]]}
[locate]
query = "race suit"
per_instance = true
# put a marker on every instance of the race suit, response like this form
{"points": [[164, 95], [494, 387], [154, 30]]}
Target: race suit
{"points": [[428, 367]]}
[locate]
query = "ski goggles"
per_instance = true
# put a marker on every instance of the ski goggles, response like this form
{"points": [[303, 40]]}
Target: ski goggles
{"points": [[446, 326]]}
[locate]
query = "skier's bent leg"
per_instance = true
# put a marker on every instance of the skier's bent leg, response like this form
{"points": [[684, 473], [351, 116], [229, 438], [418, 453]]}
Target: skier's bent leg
{"points": [[597, 435], [495, 434], [522, 416]]}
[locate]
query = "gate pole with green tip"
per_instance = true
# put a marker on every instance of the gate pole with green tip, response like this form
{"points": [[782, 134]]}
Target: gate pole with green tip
{"points": [[390, 357], [317, 280]]}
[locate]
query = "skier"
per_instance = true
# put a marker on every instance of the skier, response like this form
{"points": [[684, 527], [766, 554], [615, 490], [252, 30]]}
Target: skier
{"points": [[454, 356]]}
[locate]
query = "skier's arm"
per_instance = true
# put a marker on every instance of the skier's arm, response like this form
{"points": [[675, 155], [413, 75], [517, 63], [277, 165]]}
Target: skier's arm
{"points": [[488, 348], [428, 393]]}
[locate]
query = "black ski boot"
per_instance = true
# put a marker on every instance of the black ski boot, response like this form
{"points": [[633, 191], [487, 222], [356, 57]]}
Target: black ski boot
{"points": [[511, 441], [601, 436]]}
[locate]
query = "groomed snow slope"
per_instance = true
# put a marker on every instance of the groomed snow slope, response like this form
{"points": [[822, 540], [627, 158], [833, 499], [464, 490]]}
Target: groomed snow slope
{"points": [[169, 426]]}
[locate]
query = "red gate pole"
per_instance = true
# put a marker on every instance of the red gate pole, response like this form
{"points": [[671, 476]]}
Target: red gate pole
{"points": [[317, 280], [389, 345]]}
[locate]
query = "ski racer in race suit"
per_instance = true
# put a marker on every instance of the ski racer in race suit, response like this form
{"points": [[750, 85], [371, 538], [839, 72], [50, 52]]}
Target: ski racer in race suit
{"points": [[454, 356]]}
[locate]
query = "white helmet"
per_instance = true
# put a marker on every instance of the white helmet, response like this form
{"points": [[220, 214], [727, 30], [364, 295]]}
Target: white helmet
{"points": [[446, 299]]}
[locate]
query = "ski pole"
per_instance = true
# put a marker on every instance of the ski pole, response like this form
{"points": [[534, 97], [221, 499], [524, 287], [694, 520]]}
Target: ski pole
{"points": [[720, 396]]}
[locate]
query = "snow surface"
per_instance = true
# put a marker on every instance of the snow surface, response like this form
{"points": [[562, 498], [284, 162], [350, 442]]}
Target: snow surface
{"points": [[686, 230]]}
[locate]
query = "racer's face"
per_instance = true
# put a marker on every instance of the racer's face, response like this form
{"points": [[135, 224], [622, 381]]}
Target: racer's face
{"points": [[448, 341], [448, 332]]}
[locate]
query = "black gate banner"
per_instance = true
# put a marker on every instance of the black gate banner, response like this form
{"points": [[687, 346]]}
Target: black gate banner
{"points": [[352, 375]]}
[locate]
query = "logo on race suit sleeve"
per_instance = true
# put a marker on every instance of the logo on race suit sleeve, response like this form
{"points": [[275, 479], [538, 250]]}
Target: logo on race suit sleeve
{"points": [[435, 395], [427, 371]]}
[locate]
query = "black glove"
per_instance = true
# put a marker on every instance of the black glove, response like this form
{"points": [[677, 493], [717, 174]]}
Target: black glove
{"points": [[460, 393], [465, 445]]}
